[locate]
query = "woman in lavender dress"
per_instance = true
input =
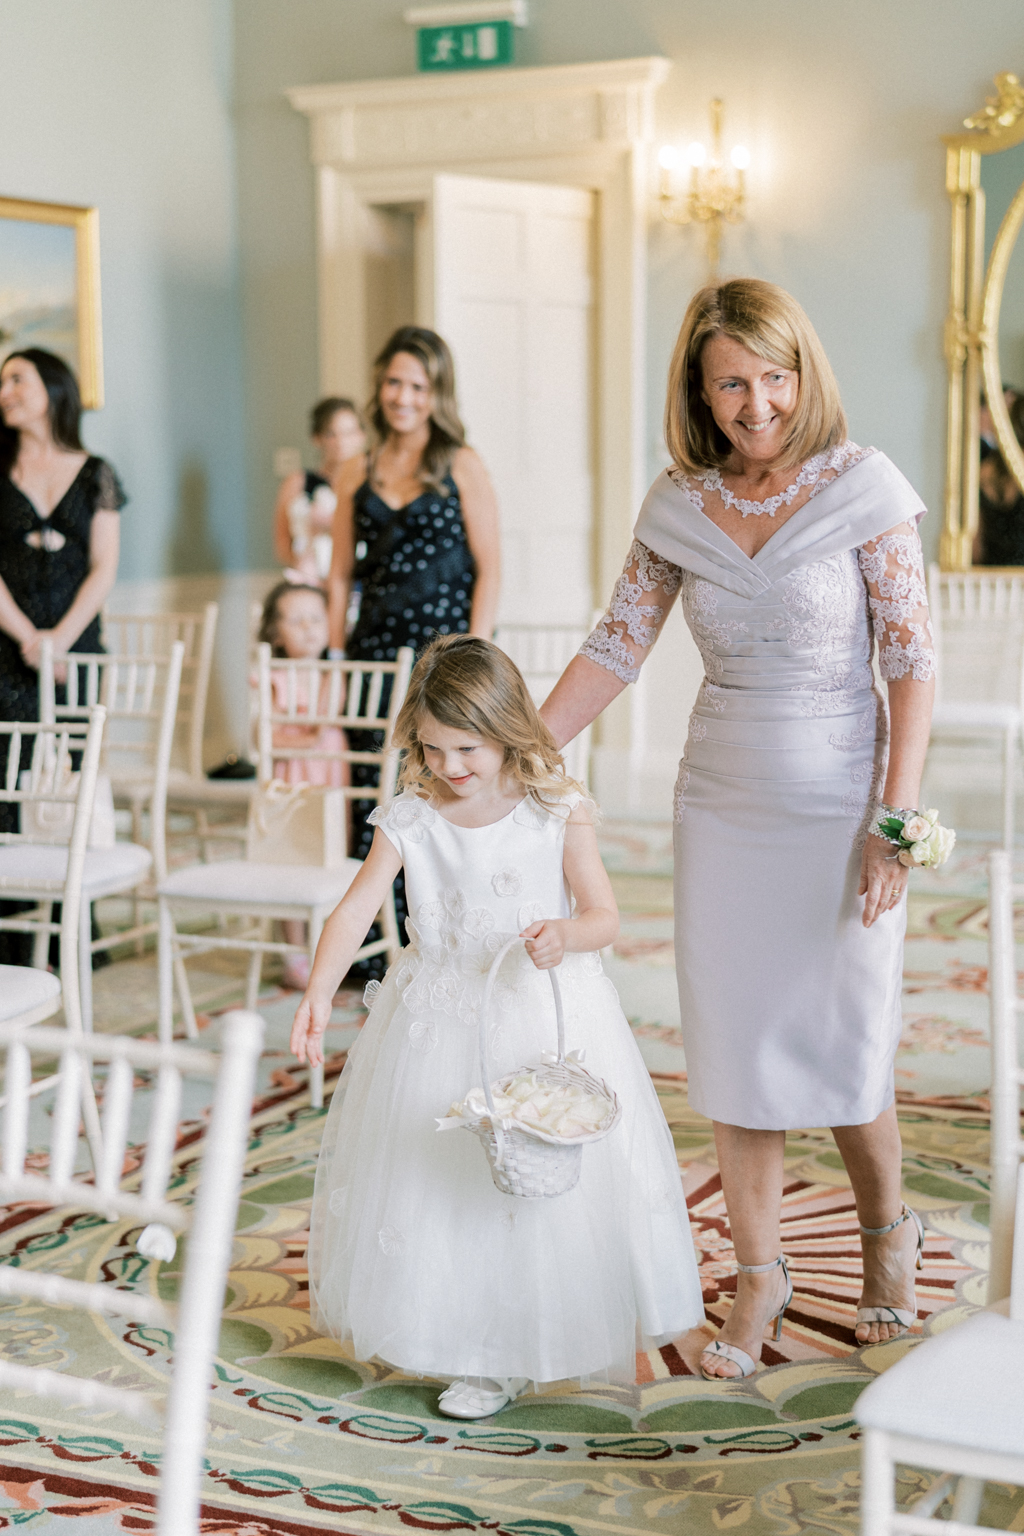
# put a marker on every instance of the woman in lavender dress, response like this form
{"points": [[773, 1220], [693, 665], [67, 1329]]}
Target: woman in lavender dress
{"points": [[793, 551]]}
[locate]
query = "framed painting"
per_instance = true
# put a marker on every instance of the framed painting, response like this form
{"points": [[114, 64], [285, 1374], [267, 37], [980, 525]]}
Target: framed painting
{"points": [[50, 286]]}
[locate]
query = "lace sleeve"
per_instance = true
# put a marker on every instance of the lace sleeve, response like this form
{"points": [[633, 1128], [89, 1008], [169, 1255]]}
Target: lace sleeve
{"points": [[893, 569], [628, 629]]}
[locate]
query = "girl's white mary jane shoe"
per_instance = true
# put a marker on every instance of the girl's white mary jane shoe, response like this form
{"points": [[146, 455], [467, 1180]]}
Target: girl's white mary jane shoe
{"points": [[480, 1398]]}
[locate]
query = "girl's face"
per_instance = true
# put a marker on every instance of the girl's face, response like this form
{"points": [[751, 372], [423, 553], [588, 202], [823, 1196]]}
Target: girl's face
{"points": [[405, 396], [465, 763], [341, 439], [751, 399], [23, 398], [300, 628]]}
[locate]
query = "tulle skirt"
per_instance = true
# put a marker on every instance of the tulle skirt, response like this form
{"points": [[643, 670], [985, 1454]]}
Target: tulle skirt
{"points": [[420, 1261]]}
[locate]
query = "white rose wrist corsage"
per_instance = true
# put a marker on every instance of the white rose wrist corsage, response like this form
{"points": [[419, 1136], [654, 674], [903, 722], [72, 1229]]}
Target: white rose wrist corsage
{"points": [[916, 835]]}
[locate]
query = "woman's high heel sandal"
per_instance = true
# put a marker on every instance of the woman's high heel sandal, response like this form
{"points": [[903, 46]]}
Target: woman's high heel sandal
{"points": [[732, 1352], [897, 1316]]}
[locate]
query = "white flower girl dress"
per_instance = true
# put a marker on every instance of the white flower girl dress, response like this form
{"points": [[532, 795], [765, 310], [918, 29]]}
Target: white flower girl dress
{"points": [[414, 1254]]}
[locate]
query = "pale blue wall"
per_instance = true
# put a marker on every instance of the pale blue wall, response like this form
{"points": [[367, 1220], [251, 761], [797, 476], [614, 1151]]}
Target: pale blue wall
{"points": [[128, 106], [842, 106], [172, 119]]}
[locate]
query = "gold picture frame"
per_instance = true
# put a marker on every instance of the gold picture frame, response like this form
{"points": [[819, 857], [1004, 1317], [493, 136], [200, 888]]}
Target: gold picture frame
{"points": [[972, 324], [50, 286]]}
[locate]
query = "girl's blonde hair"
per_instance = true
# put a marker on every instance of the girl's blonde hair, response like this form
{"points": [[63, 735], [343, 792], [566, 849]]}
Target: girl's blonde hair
{"points": [[447, 434], [770, 323], [469, 685]]}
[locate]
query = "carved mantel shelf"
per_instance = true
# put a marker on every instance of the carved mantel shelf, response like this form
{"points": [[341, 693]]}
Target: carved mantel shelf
{"points": [[592, 109]]}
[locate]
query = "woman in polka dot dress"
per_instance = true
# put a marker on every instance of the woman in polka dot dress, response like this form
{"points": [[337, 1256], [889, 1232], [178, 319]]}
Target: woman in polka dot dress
{"points": [[416, 526]]}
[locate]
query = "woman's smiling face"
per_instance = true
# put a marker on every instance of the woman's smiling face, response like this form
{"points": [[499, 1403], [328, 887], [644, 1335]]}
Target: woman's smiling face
{"points": [[751, 399]]}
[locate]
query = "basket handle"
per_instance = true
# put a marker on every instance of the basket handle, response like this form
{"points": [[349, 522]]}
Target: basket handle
{"points": [[485, 1069]]}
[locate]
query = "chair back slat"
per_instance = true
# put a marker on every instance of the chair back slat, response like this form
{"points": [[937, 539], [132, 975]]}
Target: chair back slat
{"points": [[140, 694], [18, 1081], [56, 744], [978, 626], [163, 1127], [64, 1135], [154, 635], [117, 1105], [58, 1184]]}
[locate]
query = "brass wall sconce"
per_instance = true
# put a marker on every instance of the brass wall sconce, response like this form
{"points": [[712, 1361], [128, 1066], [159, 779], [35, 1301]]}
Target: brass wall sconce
{"points": [[715, 196]]}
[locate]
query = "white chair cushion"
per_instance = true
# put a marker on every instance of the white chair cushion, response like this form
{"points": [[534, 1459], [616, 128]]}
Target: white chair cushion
{"points": [[244, 881], [22, 988], [981, 715], [965, 1387], [32, 868]]}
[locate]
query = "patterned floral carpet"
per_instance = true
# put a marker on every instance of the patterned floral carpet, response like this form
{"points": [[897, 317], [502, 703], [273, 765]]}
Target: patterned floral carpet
{"points": [[304, 1439]]}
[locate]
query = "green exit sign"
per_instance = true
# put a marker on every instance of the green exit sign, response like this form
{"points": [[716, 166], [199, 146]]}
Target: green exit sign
{"points": [[480, 45]]}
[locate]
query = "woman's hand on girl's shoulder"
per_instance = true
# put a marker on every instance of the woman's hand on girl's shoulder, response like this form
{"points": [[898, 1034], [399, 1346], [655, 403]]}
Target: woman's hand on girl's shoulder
{"points": [[311, 1020]]}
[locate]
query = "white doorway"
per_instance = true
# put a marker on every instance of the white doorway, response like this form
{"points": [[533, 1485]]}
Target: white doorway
{"points": [[513, 296]]}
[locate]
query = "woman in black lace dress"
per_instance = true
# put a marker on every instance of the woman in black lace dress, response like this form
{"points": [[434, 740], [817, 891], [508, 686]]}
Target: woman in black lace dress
{"points": [[59, 534], [417, 526]]}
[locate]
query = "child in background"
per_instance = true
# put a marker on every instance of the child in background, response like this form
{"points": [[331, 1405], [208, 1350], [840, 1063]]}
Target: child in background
{"points": [[294, 624], [414, 1254], [304, 512]]}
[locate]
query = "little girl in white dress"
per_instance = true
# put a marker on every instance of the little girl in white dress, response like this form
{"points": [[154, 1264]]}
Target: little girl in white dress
{"points": [[415, 1256]]}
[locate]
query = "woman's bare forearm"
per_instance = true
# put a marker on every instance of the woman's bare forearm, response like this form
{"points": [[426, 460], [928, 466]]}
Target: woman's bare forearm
{"points": [[581, 693], [484, 611], [13, 621], [910, 720]]}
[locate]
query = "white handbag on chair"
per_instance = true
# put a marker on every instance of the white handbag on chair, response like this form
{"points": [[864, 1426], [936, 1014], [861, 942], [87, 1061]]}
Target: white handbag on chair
{"points": [[52, 821], [297, 824]]}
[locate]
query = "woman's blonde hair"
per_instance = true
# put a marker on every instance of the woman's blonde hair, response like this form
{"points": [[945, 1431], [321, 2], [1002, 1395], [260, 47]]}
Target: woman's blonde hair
{"points": [[469, 685], [447, 434], [770, 323]]}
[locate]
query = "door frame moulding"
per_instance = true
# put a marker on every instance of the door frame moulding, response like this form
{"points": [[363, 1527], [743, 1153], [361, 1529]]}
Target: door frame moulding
{"points": [[381, 142]]}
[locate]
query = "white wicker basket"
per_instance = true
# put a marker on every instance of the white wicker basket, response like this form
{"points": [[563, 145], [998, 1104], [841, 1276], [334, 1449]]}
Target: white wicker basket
{"points": [[527, 1163]]}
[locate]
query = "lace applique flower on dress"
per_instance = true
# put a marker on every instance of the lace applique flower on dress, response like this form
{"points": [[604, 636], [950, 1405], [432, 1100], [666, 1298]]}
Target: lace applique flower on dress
{"points": [[422, 1036], [507, 882], [407, 814], [630, 626], [528, 813], [893, 570]]}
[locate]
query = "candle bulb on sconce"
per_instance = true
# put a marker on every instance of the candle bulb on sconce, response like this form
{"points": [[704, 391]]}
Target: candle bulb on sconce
{"points": [[714, 197]]}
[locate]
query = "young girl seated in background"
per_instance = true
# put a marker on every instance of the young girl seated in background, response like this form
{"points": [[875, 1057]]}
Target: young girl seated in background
{"points": [[294, 624], [414, 1254]]}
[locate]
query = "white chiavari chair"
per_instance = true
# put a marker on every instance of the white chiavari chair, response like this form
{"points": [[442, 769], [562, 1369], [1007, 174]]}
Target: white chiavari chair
{"points": [[140, 696], [956, 1403], [311, 695], [141, 1200], [978, 627]]}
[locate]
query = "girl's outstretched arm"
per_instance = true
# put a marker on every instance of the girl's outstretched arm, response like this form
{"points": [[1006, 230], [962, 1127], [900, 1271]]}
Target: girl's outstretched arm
{"points": [[597, 917], [344, 931]]}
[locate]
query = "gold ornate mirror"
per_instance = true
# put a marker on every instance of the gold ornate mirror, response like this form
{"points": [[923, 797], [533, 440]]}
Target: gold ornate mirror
{"points": [[984, 512]]}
